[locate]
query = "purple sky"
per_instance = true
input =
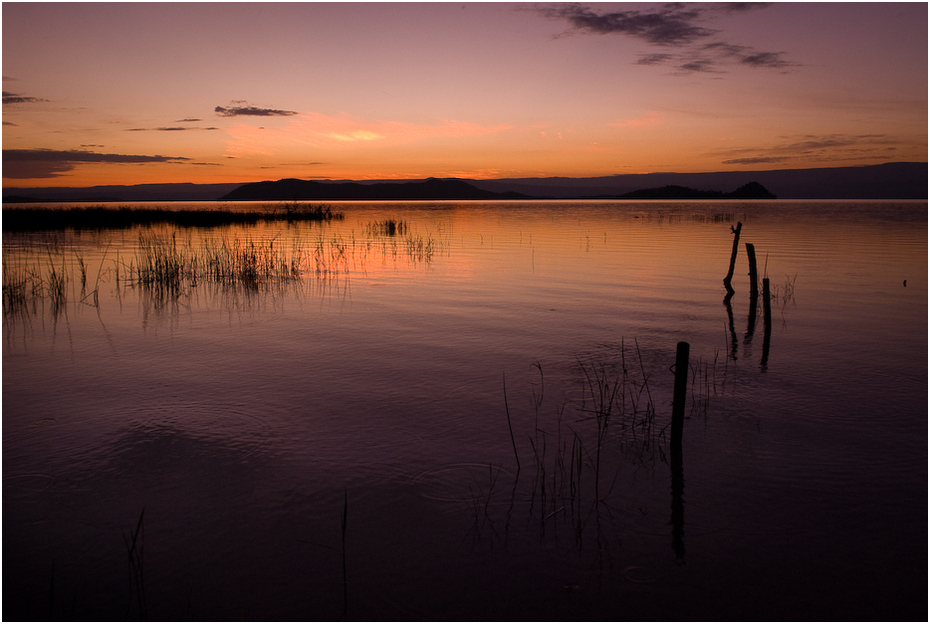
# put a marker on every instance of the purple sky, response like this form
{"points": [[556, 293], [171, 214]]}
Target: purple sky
{"points": [[126, 93]]}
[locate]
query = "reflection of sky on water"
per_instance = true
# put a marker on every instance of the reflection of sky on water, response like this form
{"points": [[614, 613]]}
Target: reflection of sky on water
{"points": [[238, 416]]}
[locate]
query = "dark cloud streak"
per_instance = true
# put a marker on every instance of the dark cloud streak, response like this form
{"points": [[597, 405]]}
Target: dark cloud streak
{"points": [[654, 59], [169, 129], [815, 147], [250, 111], [670, 25], [47, 163], [677, 26], [15, 98], [759, 160]]}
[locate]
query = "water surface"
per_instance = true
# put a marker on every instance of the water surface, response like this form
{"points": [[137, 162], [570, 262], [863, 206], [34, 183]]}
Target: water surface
{"points": [[248, 418]]}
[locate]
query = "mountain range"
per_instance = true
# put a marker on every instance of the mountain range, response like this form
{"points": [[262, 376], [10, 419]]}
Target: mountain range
{"points": [[902, 180]]}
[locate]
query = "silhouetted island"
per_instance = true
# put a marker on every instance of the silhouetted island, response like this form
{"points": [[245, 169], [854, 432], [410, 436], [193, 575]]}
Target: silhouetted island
{"points": [[752, 190], [894, 180], [429, 189], [436, 189]]}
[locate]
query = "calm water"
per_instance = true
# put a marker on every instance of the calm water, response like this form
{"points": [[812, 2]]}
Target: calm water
{"points": [[250, 420]]}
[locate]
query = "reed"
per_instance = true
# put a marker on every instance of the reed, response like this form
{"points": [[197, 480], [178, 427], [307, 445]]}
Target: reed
{"points": [[783, 294], [576, 462], [387, 227], [135, 551], [305, 211], [56, 282], [167, 264], [510, 425], [420, 248], [22, 289], [102, 217], [481, 501], [163, 265]]}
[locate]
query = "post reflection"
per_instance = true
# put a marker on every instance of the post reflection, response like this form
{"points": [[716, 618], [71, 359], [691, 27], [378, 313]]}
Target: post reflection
{"points": [[678, 501]]}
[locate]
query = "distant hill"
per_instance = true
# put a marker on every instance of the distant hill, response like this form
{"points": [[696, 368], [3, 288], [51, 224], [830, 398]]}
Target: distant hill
{"points": [[432, 188], [753, 190], [903, 180]]}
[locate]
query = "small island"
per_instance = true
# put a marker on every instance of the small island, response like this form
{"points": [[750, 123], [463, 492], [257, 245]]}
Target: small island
{"points": [[449, 189], [429, 189], [752, 190]]}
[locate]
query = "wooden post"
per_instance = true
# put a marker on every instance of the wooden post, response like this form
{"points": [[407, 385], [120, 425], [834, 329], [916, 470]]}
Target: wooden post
{"points": [[753, 292], [729, 277], [767, 317], [681, 391], [753, 276]]}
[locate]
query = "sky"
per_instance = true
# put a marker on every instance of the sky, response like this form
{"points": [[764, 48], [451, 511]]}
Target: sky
{"points": [[140, 93]]}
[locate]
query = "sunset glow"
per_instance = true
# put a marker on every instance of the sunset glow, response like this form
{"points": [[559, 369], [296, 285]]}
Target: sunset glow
{"points": [[125, 93]]}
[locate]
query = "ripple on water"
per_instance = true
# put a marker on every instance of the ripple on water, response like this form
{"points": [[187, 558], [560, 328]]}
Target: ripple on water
{"points": [[461, 482]]}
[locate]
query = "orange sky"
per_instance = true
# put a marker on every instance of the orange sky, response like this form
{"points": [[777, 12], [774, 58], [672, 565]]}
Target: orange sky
{"points": [[127, 93]]}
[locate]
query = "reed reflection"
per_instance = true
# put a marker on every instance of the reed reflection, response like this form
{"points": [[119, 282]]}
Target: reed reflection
{"points": [[170, 269]]}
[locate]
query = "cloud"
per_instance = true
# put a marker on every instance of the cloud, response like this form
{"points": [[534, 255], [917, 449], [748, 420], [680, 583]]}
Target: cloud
{"points": [[240, 108], [680, 27], [188, 120], [734, 7], [668, 25], [810, 147], [766, 59], [8, 123], [654, 59], [169, 129], [47, 163], [756, 161], [14, 98]]}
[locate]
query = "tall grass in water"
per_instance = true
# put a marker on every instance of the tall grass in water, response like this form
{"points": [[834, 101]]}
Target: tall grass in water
{"points": [[613, 419], [134, 550], [303, 211], [415, 246], [387, 227], [23, 289], [27, 287], [160, 266], [166, 267], [102, 217]]}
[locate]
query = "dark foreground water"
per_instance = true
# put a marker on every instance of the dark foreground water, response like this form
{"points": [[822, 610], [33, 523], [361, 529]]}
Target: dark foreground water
{"points": [[341, 439]]}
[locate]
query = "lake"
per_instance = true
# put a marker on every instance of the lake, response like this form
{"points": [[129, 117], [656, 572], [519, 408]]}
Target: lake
{"points": [[461, 411]]}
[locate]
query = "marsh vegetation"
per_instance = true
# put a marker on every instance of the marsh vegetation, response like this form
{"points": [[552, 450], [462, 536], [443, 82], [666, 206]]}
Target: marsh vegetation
{"points": [[101, 217]]}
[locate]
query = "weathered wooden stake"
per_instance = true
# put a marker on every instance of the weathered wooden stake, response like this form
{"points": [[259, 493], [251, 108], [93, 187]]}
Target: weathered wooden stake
{"points": [[753, 275], [729, 277], [753, 292], [767, 317], [681, 391]]}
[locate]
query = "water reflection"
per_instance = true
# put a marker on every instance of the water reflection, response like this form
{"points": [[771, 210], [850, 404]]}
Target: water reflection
{"points": [[239, 439], [171, 271], [678, 501]]}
